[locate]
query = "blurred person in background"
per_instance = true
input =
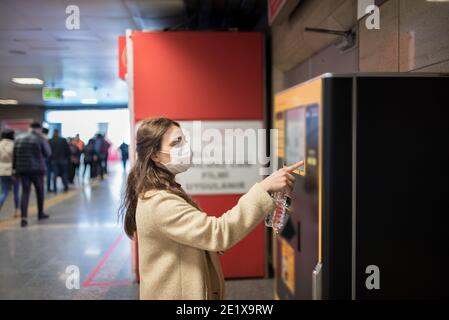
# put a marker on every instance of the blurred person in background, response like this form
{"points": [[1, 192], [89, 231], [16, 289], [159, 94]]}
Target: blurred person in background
{"points": [[124, 150], [47, 163], [105, 153], [78, 142], [75, 158], [60, 157], [30, 151], [80, 145], [102, 150], [90, 159], [7, 177]]}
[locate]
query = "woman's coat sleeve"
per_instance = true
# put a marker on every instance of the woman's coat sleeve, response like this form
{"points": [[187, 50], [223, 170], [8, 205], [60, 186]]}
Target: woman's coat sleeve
{"points": [[185, 224]]}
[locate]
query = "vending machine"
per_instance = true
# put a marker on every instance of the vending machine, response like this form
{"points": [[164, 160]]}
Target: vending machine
{"points": [[368, 218]]}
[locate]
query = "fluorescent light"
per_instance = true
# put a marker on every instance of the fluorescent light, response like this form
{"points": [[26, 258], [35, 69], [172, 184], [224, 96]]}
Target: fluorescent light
{"points": [[69, 93], [27, 80], [89, 101], [92, 251], [8, 101]]}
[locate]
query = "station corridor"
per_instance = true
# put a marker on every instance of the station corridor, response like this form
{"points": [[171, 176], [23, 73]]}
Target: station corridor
{"points": [[295, 147], [83, 231]]}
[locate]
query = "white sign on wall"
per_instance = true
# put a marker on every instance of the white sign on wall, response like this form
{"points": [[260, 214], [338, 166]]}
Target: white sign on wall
{"points": [[217, 170]]}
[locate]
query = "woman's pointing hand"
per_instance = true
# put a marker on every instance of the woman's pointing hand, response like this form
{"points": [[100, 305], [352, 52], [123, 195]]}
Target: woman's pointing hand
{"points": [[282, 179]]}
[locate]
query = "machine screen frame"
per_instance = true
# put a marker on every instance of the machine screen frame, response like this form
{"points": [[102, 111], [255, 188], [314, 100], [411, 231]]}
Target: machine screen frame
{"points": [[302, 110]]}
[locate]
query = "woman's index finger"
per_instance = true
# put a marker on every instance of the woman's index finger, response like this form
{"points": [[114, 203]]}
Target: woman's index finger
{"points": [[295, 166]]}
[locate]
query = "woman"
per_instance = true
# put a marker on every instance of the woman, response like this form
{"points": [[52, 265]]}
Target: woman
{"points": [[178, 243], [6, 173]]}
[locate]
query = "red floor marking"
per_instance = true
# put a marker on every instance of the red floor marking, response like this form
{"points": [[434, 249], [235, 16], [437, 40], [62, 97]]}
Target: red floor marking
{"points": [[99, 266]]}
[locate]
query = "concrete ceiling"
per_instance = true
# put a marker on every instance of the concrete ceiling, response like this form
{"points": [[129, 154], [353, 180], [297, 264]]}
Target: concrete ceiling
{"points": [[34, 41]]}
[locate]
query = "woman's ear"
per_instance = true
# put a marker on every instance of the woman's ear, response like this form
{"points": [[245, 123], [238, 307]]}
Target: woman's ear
{"points": [[155, 157]]}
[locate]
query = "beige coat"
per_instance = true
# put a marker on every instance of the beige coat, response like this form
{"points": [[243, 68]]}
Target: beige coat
{"points": [[178, 244], [6, 150]]}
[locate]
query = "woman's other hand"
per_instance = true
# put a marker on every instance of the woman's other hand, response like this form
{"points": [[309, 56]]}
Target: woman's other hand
{"points": [[281, 180]]}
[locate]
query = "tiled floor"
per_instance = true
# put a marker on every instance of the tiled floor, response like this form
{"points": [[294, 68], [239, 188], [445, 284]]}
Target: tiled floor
{"points": [[82, 234]]}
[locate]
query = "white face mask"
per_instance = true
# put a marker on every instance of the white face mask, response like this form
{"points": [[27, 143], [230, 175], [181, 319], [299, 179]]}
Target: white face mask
{"points": [[180, 159]]}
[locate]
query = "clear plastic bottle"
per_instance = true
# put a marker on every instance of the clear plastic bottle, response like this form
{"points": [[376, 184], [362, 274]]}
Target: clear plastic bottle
{"points": [[278, 218]]}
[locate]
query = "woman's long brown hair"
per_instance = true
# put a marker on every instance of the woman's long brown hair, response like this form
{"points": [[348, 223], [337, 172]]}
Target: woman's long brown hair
{"points": [[145, 175]]}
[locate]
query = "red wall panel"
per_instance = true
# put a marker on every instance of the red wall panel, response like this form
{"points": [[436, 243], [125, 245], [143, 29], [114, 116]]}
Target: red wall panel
{"points": [[198, 75], [122, 57], [205, 76]]}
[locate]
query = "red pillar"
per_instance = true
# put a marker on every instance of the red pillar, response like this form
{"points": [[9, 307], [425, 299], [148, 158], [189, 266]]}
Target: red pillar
{"points": [[204, 76]]}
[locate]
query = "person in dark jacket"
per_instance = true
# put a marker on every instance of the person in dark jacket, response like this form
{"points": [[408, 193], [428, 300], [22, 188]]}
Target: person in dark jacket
{"points": [[102, 150], [124, 150], [48, 163], [30, 151], [90, 159], [60, 158]]}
